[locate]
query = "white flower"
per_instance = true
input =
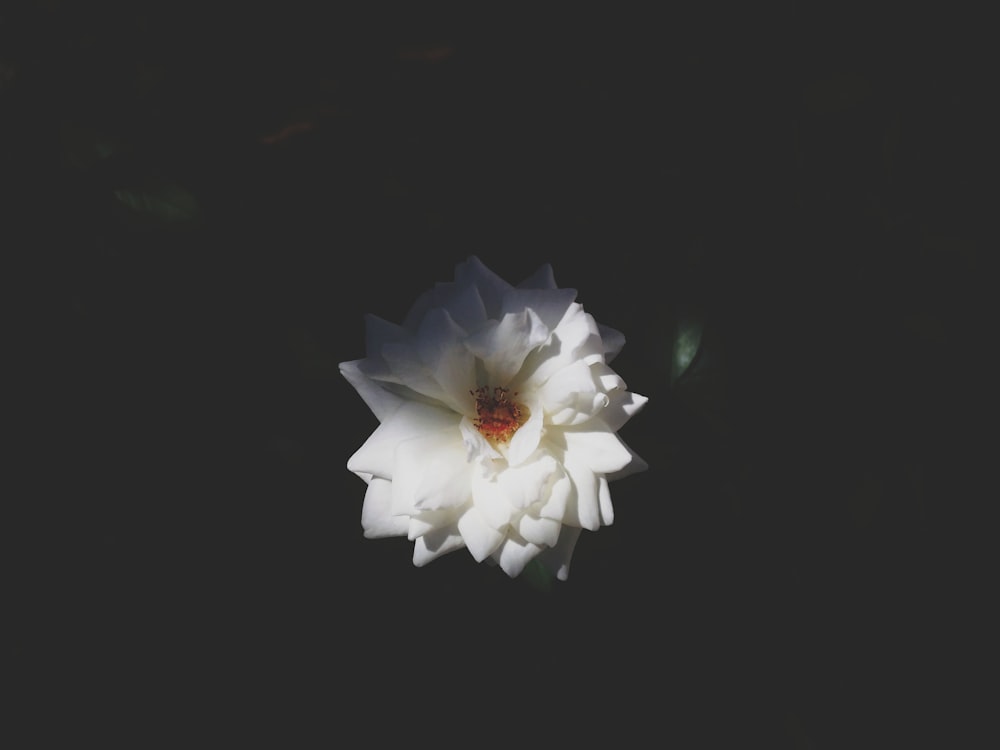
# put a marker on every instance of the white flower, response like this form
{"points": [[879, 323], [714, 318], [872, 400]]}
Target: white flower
{"points": [[498, 421]]}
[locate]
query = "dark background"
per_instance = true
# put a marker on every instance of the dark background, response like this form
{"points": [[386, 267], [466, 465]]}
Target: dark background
{"points": [[202, 203]]}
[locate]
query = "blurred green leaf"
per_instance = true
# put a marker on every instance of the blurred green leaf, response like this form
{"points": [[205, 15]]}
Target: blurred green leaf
{"points": [[166, 201], [686, 345], [537, 576]]}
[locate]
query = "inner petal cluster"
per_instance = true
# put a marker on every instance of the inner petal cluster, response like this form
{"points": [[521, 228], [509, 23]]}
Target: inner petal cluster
{"points": [[498, 416]]}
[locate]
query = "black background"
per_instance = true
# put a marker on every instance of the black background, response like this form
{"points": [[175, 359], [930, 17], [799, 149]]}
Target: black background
{"points": [[210, 199]]}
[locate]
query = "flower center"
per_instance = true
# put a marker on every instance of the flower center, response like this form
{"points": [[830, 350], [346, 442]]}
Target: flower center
{"points": [[497, 417]]}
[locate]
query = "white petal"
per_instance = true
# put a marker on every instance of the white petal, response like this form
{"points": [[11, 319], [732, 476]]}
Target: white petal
{"points": [[488, 498], [490, 286], [526, 439], [556, 505], [477, 447], [376, 515], [583, 508], [434, 544], [622, 405], [599, 449], [503, 346], [411, 419], [575, 337], [550, 305], [447, 478], [379, 400], [481, 538], [636, 465], [613, 341], [558, 558], [541, 531], [412, 477], [379, 332], [441, 349], [523, 486], [425, 521], [514, 554], [543, 278], [604, 496], [407, 368]]}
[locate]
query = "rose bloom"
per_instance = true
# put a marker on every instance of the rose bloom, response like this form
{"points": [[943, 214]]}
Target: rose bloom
{"points": [[498, 421]]}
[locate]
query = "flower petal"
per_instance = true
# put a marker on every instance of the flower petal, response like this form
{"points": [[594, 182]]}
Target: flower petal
{"points": [[376, 513], [527, 437], [432, 545], [550, 305], [413, 477], [480, 537], [523, 486], [541, 531], [490, 500], [601, 450], [613, 341], [379, 400], [572, 339], [558, 558], [410, 420], [604, 497], [583, 508], [491, 287], [502, 347], [440, 347], [622, 406], [543, 278], [514, 554]]}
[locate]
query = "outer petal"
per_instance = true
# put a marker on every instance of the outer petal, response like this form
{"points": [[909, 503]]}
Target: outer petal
{"points": [[550, 305], [613, 341], [583, 508], [514, 554], [543, 278], [412, 419], [541, 531], [480, 537], [376, 513], [432, 545], [600, 450], [490, 286], [414, 479], [379, 400], [622, 406]]}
